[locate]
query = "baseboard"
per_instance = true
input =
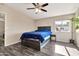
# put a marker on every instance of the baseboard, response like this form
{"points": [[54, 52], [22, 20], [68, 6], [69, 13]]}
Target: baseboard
{"points": [[12, 43], [62, 42]]}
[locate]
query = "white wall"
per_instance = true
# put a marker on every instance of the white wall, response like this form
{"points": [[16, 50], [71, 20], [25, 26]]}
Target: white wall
{"points": [[60, 36], [77, 38], [15, 24]]}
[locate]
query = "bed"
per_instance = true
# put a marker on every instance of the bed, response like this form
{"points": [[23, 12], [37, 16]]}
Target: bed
{"points": [[36, 39]]}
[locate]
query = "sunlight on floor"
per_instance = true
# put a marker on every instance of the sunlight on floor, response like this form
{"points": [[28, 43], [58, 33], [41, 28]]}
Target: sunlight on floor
{"points": [[73, 51], [60, 50]]}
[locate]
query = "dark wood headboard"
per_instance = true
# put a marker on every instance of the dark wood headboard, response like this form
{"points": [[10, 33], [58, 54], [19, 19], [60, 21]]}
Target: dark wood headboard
{"points": [[44, 28]]}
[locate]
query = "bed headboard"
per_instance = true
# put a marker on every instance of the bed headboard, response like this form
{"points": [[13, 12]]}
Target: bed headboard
{"points": [[44, 28]]}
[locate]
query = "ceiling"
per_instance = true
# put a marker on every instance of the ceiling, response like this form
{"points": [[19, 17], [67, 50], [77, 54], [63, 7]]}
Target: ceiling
{"points": [[53, 9]]}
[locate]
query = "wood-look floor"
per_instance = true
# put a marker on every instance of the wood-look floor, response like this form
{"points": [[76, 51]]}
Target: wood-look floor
{"points": [[48, 50]]}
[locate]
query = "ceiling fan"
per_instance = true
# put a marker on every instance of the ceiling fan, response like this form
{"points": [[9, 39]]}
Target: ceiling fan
{"points": [[38, 7]]}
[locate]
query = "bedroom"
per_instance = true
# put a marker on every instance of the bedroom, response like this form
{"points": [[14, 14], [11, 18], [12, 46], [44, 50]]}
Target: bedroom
{"points": [[19, 20]]}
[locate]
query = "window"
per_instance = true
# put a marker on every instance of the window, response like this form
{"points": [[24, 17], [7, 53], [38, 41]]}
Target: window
{"points": [[62, 26]]}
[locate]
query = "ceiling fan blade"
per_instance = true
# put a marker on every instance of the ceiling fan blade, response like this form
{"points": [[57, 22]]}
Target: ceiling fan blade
{"points": [[44, 10], [44, 4], [30, 8], [34, 4]]}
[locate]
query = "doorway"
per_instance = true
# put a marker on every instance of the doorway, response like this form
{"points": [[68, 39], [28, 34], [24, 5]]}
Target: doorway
{"points": [[2, 28]]}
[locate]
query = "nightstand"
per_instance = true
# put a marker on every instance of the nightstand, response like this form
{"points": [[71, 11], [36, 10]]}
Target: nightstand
{"points": [[53, 37]]}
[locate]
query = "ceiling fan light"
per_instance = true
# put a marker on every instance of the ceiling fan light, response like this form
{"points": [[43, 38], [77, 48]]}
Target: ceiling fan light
{"points": [[36, 10], [40, 10]]}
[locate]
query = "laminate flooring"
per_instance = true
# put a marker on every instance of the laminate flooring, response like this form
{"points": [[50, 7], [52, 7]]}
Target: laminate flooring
{"points": [[51, 49]]}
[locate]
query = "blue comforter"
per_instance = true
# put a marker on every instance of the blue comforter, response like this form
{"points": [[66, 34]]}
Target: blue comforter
{"points": [[36, 35]]}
